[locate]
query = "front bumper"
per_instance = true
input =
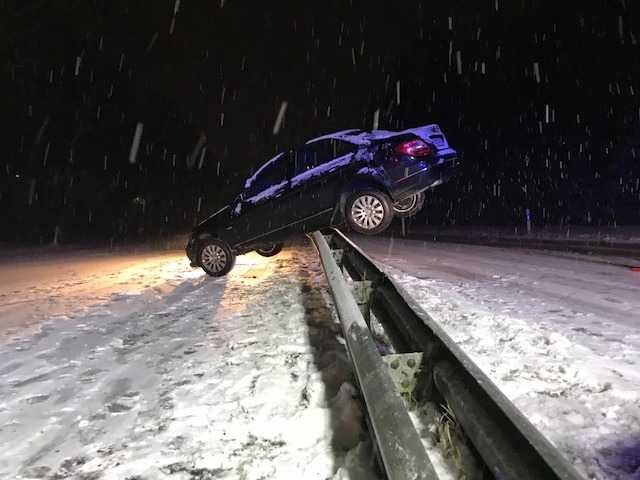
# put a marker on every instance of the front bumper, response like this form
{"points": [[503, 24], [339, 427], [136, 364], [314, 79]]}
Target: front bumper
{"points": [[190, 250]]}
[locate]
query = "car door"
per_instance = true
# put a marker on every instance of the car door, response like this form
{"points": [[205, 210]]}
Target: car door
{"points": [[316, 180]]}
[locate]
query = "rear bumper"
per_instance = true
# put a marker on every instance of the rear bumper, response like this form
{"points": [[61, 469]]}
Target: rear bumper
{"points": [[439, 171]]}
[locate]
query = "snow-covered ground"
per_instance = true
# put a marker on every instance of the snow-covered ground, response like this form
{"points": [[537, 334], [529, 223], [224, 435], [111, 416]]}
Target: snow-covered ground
{"points": [[134, 366], [560, 335], [137, 367], [621, 235]]}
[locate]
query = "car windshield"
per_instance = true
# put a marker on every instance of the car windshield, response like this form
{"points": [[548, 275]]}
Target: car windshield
{"points": [[223, 211], [269, 175], [261, 171]]}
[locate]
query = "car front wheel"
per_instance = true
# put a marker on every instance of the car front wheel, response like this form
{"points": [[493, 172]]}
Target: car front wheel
{"points": [[215, 257], [270, 250], [369, 212]]}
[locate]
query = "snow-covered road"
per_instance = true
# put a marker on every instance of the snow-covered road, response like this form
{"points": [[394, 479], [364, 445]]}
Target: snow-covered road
{"points": [[559, 334], [135, 366], [138, 367]]}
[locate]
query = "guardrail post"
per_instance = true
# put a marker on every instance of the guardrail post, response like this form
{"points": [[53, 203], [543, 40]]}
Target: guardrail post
{"points": [[404, 369], [362, 291], [337, 256]]}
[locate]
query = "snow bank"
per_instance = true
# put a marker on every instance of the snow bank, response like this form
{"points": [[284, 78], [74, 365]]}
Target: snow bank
{"points": [[624, 235]]}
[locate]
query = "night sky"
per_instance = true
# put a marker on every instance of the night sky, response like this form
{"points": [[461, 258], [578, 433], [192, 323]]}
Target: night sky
{"points": [[541, 101]]}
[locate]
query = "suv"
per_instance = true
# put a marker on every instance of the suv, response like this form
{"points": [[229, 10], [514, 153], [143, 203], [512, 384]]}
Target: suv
{"points": [[354, 176]]}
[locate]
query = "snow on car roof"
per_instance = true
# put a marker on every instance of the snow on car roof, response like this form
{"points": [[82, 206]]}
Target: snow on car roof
{"points": [[358, 136], [351, 135]]}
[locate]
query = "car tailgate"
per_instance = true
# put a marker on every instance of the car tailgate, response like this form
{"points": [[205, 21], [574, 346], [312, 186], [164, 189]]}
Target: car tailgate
{"points": [[432, 134]]}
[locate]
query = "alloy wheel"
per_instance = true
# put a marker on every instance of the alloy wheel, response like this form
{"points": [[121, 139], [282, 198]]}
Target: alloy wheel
{"points": [[214, 258], [367, 212]]}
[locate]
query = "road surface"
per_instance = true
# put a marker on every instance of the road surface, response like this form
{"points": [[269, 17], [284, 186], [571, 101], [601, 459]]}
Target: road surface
{"points": [[559, 334]]}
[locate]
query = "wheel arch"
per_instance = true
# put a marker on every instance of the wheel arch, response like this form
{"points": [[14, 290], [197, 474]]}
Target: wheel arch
{"points": [[204, 235], [361, 182]]}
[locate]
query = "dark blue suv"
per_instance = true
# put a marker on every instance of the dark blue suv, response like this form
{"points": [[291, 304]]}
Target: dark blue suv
{"points": [[362, 178]]}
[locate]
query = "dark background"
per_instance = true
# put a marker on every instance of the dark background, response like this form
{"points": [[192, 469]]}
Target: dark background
{"points": [[77, 76]]}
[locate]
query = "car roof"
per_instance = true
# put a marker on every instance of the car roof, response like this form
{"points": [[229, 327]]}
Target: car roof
{"points": [[357, 136], [353, 135]]}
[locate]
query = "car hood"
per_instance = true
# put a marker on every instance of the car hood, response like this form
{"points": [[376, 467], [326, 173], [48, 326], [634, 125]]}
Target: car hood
{"points": [[216, 219]]}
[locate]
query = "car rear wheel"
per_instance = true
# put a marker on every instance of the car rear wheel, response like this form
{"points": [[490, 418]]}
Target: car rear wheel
{"points": [[409, 206], [270, 250], [369, 212], [215, 257]]}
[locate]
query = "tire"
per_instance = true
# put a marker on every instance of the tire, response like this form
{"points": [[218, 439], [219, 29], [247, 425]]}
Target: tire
{"points": [[270, 251], [409, 206], [369, 212], [215, 257]]}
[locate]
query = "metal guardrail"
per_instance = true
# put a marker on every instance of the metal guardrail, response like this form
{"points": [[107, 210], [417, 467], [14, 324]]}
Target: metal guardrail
{"points": [[507, 443], [400, 448]]}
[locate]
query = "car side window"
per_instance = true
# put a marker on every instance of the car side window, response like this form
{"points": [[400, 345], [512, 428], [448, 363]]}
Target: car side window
{"points": [[340, 148], [318, 153], [272, 175], [304, 159]]}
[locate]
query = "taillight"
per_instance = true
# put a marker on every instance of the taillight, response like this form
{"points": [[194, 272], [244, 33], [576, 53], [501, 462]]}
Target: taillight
{"points": [[415, 148]]}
